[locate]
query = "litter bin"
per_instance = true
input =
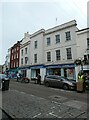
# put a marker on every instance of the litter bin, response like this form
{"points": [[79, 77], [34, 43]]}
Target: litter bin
{"points": [[5, 84], [80, 87]]}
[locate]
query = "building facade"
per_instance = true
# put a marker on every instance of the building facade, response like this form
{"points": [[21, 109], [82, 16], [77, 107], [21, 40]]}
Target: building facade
{"points": [[25, 55], [14, 58], [51, 51]]}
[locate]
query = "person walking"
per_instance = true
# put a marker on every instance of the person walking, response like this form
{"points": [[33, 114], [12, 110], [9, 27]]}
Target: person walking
{"points": [[18, 76], [39, 79]]}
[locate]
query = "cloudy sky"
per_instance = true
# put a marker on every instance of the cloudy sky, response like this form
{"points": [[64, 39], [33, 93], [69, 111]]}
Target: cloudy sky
{"points": [[22, 16]]}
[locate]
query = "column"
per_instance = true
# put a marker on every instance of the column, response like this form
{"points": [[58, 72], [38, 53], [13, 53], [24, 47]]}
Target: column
{"points": [[62, 72]]}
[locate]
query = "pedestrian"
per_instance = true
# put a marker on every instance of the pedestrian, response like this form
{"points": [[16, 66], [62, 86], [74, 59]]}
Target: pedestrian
{"points": [[18, 76], [39, 79]]}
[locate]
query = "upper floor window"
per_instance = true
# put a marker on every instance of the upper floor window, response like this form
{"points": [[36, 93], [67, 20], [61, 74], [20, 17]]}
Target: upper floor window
{"points": [[17, 64], [57, 54], [35, 44], [17, 55], [26, 59], [87, 43], [35, 58], [48, 41], [57, 38], [17, 48], [21, 52], [68, 36], [22, 61], [68, 51], [25, 50], [48, 56]]}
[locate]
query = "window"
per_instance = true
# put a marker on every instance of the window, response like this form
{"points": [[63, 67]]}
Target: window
{"points": [[21, 52], [48, 41], [22, 61], [14, 64], [87, 43], [35, 58], [25, 50], [17, 55], [26, 59], [12, 57], [68, 37], [57, 54], [17, 48], [17, 64], [35, 44], [57, 38], [68, 51], [48, 56]]}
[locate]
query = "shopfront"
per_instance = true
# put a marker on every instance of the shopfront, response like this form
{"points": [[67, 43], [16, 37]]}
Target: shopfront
{"points": [[67, 70]]}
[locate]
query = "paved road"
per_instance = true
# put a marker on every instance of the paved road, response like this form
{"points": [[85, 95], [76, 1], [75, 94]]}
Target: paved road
{"points": [[46, 92], [37, 101]]}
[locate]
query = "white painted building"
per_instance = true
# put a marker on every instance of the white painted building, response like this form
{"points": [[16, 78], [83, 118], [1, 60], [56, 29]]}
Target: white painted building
{"points": [[60, 49], [53, 51], [7, 62], [25, 55], [83, 47]]}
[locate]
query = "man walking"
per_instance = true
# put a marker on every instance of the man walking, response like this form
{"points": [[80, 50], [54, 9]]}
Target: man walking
{"points": [[39, 79], [18, 77]]}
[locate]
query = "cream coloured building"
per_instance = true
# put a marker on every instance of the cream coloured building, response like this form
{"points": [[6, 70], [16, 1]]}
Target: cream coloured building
{"points": [[53, 51]]}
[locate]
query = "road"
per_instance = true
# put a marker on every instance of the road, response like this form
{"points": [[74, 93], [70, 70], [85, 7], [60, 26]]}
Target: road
{"points": [[46, 92], [31, 100]]}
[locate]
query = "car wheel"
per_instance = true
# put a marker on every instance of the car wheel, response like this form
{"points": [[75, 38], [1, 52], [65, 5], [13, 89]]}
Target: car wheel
{"points": [[47, 84], [65, 87]]}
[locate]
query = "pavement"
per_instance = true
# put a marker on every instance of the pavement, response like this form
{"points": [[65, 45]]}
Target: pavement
{"points": [[22, 105]]}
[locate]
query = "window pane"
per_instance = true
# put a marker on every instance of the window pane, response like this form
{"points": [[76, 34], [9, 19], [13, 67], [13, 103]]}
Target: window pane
{"points": [[57, 38], [69, 56], [35, 44], [57, 54], [25, 50], [68, 37], [48, 56], [35, 58], [88, 43], [48, 41]]}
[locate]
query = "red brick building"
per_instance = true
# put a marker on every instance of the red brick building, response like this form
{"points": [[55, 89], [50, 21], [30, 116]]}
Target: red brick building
{"points": [[14, 56]]}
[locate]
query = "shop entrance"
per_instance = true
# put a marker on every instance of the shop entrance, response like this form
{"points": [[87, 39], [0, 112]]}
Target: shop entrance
{"points": [[34, 72]]}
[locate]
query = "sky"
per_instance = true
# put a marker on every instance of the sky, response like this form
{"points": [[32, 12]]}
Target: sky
{"points": [[18, 17]]}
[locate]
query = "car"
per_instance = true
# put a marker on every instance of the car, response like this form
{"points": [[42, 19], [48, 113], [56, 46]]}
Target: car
{"points": [[59, 81]]}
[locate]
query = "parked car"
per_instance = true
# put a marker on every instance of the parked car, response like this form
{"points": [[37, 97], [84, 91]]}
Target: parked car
{"points": [[59, 81], [87, 84]]}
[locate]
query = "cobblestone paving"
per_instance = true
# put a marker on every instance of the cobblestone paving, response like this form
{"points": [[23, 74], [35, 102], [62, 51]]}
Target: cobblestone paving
{"points": [[21, 105]]}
